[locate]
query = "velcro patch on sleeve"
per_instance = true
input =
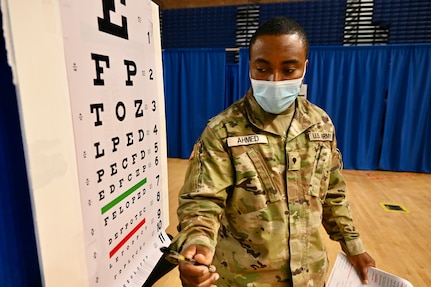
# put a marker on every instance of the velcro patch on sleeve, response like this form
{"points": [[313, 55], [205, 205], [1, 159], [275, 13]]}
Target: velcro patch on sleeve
{"points": [[320, 136], [247, 140]]}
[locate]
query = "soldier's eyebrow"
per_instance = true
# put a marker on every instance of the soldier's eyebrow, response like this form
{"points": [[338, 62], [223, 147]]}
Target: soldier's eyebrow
{"points": [[261, 61], [291, 61], [285, 62]]}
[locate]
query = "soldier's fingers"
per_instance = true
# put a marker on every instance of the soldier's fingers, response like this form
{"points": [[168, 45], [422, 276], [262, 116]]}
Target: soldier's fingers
{"points": [[188, 281]]}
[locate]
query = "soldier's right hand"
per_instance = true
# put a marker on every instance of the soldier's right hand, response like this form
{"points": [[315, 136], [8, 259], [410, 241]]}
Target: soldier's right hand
{"points": [[197, 276]]}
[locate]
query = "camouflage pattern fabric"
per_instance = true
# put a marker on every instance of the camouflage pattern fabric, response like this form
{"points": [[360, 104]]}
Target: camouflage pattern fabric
{"points": [[256, 195]]}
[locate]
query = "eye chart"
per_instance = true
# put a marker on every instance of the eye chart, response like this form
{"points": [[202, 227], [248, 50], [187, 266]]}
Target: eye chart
{"points": [[113, 67]]}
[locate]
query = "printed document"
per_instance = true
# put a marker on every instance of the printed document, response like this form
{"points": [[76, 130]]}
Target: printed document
{"points": [[344, 275]]}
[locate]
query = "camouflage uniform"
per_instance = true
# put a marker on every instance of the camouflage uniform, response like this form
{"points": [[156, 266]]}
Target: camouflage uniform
{"points": [[259, 205]]}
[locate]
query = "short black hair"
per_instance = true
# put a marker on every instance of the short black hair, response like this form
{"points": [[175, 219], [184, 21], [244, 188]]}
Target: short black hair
{"points": [[280, 25]]}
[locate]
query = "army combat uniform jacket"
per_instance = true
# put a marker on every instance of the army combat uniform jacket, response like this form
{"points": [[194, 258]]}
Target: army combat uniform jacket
{"points": [[257, 197]]}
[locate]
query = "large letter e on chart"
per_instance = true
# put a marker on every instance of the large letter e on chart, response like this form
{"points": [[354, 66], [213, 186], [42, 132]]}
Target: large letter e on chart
{"points": [[105, 24]]}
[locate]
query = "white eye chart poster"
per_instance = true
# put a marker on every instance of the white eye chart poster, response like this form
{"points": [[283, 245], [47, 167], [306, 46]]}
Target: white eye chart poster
{"points": [[89, 85], [116, 100]]}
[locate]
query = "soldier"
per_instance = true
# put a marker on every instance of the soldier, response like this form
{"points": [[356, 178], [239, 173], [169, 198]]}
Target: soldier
{"points": [[262, 177]]}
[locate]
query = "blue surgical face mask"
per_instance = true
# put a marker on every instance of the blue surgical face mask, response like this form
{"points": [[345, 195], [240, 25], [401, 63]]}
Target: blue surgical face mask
{"points": [[276, 96]]}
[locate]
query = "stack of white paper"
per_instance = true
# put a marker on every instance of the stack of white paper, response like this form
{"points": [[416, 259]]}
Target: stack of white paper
{"points": [[344, 275]]}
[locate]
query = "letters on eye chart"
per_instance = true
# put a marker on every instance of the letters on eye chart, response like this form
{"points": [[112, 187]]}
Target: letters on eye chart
{"points": [[119, 135]]}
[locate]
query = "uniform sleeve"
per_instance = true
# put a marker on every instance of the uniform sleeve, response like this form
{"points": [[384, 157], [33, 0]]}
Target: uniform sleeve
{"points": [[337, 217], [203, 195]]}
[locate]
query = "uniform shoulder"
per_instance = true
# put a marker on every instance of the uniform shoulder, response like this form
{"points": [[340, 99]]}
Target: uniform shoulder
{"points": [[233, 114], [313, 110]]}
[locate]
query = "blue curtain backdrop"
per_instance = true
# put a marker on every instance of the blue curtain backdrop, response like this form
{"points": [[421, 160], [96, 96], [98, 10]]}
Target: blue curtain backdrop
{"points": [[195, 93], [407, 132], [350, 84], [244, 73], [232, 84], [237, 78], [377, 96]]}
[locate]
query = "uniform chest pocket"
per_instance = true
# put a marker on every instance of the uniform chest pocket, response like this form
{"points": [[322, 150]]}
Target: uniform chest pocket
{"points": [[321, 171], [254, 187]]}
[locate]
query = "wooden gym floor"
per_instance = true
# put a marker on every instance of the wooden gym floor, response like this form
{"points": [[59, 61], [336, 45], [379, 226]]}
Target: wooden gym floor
{"points": [[397, 240]]}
